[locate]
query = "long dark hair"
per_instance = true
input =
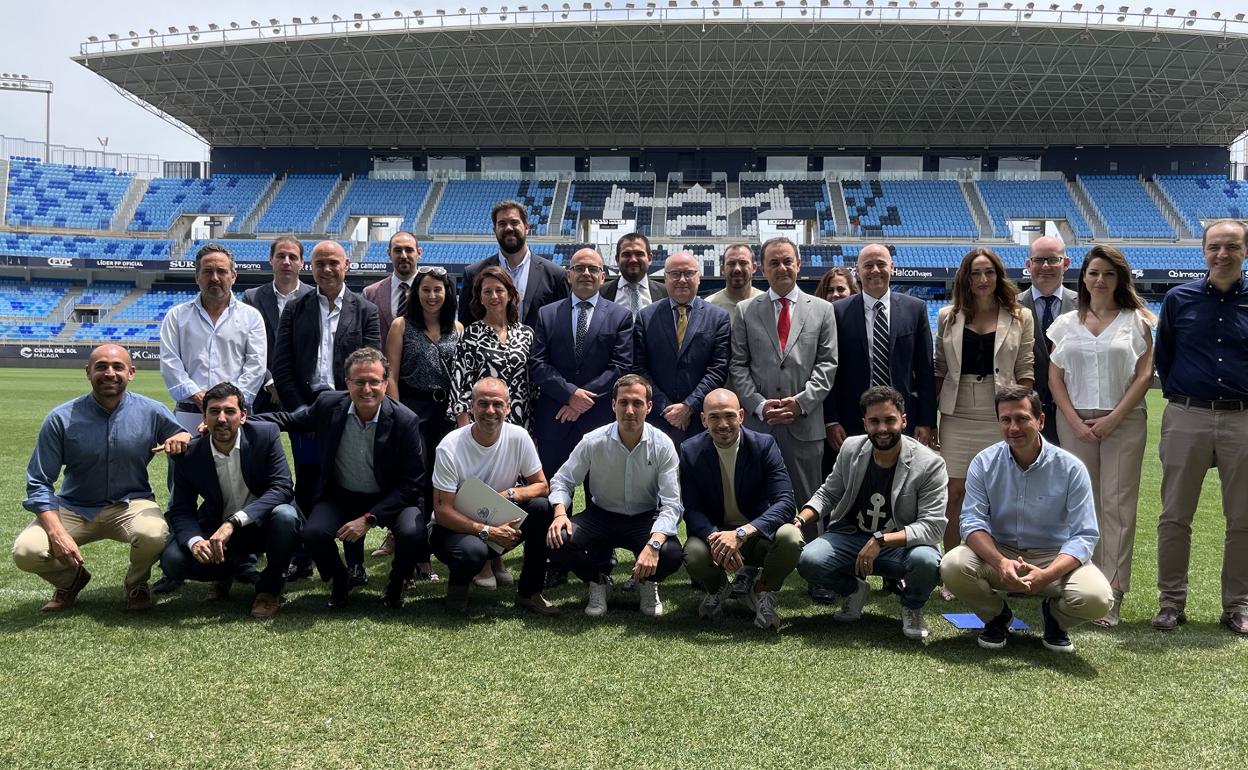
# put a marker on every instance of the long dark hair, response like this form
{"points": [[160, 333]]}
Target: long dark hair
{"points": [[416, 312], [513, 297], [1005, 293], [824, 289], [1125, 295]]}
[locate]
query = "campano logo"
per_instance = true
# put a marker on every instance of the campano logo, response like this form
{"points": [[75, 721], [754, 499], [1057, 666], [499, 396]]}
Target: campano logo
{"points": [[26, 352], [60, 262]]}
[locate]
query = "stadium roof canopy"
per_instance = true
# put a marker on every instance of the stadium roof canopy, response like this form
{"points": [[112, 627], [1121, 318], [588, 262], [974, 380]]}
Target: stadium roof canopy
{"points": [[689, 76]]}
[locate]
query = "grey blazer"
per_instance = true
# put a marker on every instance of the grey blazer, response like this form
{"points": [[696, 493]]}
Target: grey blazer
{"points": [[920, 489], [759, 371], [1070, 301]]}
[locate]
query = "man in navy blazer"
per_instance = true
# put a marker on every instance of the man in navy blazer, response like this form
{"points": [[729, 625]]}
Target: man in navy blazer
{"points": [[908, 352], [373, 474], [539, 281], [271, 299], [683, 366], [576, 379], [738, 509], [634, 288], [239, 472]]}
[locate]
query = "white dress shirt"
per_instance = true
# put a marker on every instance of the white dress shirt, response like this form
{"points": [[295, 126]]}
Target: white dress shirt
{"points": [[395, 283], [635, 482], [1098, 368], [624, 293], [869, 305], [576, 311], [197, 353], [234, 489], [323, 374], [282, 299], [774, 298]]}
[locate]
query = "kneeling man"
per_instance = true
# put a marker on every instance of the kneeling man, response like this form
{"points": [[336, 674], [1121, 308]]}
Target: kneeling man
{"points": [[632, 501], [239, 471], [886, 495], [500, 454], [1029, 527], [738, 509]]}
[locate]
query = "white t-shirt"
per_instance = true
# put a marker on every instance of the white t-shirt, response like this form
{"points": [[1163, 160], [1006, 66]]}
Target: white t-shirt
{"points": [[512, 457]]}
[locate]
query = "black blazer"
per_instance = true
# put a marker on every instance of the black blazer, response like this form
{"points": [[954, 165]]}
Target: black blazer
{"points": [[398, 464], [612, 287], [761, 482], [195, 476], [1070, 301], [688, 374], [910, 362], [299, 337], [264, 299], [547, 283]]}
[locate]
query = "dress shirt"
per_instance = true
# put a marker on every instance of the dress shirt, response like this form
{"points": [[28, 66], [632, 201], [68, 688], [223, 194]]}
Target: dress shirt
{"points": [[634, 482], [396, 294], [1098, 368], [869, 305], [354, 462], [323, 374], [234, 491], [576, 311], [774, 298], [624, 293], [104, 454], [1048, 506], [196, 353], [282, 299], [519, 273], [1201, 336]]}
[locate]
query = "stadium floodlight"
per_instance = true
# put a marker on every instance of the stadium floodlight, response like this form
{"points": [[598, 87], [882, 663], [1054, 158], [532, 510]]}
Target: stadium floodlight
{"points": [[233, 25], [376, 15], [398, 14], [133, 33], [92, 39], [337, 17], [847, 3], [418, 13], [192, 28], [1148, 10], [1078, 6], [935, 3], [113, 36], [274, 22], [983, 4], [255, 23], [1053, 6], [1008, 6], [1191, 13], [358, 16], [1123, 9], [1239, 17], [151, 31], [484, 9], [1169, 11], [443, 13], [1217, 14]]}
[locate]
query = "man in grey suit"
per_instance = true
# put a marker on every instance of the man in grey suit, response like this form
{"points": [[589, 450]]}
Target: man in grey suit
{"points": [[1047, 299], [634, 289], [286, 260], [392, 293], [784, 362]]}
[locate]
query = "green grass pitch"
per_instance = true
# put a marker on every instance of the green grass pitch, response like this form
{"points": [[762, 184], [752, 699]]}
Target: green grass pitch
{"points": [[194, 685]]}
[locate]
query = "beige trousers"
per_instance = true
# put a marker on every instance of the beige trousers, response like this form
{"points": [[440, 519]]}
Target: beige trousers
{"points": [[1191, 441], [139, 523], [1082, 595], [1114, 465]]}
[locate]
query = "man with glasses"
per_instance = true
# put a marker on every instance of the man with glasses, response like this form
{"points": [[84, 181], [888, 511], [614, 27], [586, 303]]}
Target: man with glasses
{"points": [[373, 474], [682, 345], [539, 281], [634, 289], [736, 267], [393, 293], [1047, 299]]}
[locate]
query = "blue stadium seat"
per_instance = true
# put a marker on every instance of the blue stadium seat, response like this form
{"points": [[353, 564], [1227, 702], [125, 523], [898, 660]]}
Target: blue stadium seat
{"points": [[466, 203], [300, 199], [1205, 197], [590, 200], [787, 199], [54, 195], [83, 247], [232, 195], [1030, 199], [1124, 205], [381, 198], [921, 208], [697, 209]]}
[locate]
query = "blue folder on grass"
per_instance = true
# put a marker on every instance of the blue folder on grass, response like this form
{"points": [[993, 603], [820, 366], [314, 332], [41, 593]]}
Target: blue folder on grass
{"points": [[967, 621]]}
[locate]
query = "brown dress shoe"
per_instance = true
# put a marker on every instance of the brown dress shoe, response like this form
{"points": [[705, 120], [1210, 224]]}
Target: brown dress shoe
{"points": [[265, 605], [138, 598], [1169, 618], [1236, 621], [64, 598], [537, 604], [386, 548], [219, 589]]}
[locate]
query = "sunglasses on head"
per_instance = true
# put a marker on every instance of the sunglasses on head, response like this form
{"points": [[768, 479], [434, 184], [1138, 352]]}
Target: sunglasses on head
{"points": [[436, 270]]}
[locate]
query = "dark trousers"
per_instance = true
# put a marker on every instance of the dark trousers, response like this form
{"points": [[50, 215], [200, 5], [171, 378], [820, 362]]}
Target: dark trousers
{"points": [[338, 507], [466, 554], [306, 452], [1050, 424], [276, 537], [434, 425], [596, 533]]}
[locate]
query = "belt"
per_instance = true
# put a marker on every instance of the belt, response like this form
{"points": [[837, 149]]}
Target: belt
{"points": [[1220, 405]]}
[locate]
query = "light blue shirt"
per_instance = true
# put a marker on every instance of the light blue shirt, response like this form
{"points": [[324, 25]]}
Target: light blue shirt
{"points": [[1048, 506], [576, 311], [519, 273]]}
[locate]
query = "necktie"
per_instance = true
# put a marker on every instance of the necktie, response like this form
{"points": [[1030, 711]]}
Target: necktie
{"points": [[879, 347], [401, 310], [634, 299], [1046, 318], [782, 324], [682, 323], [582, 326]]}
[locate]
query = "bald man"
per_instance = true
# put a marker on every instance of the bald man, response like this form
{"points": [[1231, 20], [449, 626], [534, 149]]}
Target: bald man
{"points": [[102, 442], [1046, 299]]}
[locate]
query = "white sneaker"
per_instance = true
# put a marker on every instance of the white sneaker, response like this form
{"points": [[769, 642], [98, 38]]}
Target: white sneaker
{"points": [[851, 610], [712, 606], [912, 624], [765, 616], [597, 606], [651, 604]]}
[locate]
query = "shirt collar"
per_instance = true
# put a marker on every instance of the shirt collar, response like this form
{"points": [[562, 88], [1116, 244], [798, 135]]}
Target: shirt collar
{"points": [[791, 296], [1241, 287], [288, 294], [502, 260], [1046, 453], [229, 303], [1037, 295], [870, 302], [613, 432], [591, 299], [351, 413], [320, 296], [238, 440]]}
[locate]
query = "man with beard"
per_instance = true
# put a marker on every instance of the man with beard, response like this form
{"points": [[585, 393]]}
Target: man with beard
{"points": [[736, 267], [634, 289], [885, 503], [539, 281], [1046, 299], [392, 293]]}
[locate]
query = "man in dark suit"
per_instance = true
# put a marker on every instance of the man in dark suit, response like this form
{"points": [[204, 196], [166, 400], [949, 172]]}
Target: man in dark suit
{"points": [[738, 509], [239, 472], [581, 346], [682, 345], [634, 289], [883, 338], [372, 474], [316, 334], [1047, 299], [539, 281], [286, 260], [392, 293]]}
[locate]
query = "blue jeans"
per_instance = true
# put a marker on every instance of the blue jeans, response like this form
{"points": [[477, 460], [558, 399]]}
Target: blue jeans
{"points": [[829, 561], [276, 538]]}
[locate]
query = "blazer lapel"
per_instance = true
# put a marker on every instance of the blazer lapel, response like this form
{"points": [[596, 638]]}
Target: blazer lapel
{"points": [[384, 422], [764, 312], [532, 285], [957, 327], [214, 498], [902, 474], [697, 321], [797, 319], [664, 318], [1003, 329]]}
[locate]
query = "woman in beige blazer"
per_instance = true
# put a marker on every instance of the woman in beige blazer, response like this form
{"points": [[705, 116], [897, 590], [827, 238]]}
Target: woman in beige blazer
{"points": [[983, 341]]}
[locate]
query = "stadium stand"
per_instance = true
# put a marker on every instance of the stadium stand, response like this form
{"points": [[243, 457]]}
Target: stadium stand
{"points": [[258, 250], [1030, 199], [630, 200], [112, 332], [381, 198], [83, 247], [53, 195], [698, 210], [300, 199], [1205, 197], [1125, 207], [19, 299], [29, 332], [920, 208], [233, 195], [788, 199], [153, 305], [466, 203], [105, 293]]}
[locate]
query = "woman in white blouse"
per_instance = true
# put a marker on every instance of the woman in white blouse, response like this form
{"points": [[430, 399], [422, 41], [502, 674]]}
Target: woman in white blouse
{"points": [[1101, 368]]}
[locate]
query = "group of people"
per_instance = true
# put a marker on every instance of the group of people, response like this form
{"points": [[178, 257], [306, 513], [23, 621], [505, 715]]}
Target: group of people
{"points": [[827, 434]]}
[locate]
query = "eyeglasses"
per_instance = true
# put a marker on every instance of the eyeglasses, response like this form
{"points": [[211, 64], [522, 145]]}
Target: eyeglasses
{"points": [[591, 269], [436, 270], [1046, 260], [367, 383], [681, 275]]}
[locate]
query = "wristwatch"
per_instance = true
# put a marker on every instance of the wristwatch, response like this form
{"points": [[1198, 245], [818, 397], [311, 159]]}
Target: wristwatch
{"points": [[484, 533], [742, 535], [511, 494], [235, 522], [878, 537], [370, 519], [655, 544]]}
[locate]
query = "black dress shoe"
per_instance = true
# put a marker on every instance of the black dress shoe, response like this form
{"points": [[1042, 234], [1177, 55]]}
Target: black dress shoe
{"points": [[166, 585], [298, 571], [358, 577], [393, 597], [250, 576], [339, 594]]}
